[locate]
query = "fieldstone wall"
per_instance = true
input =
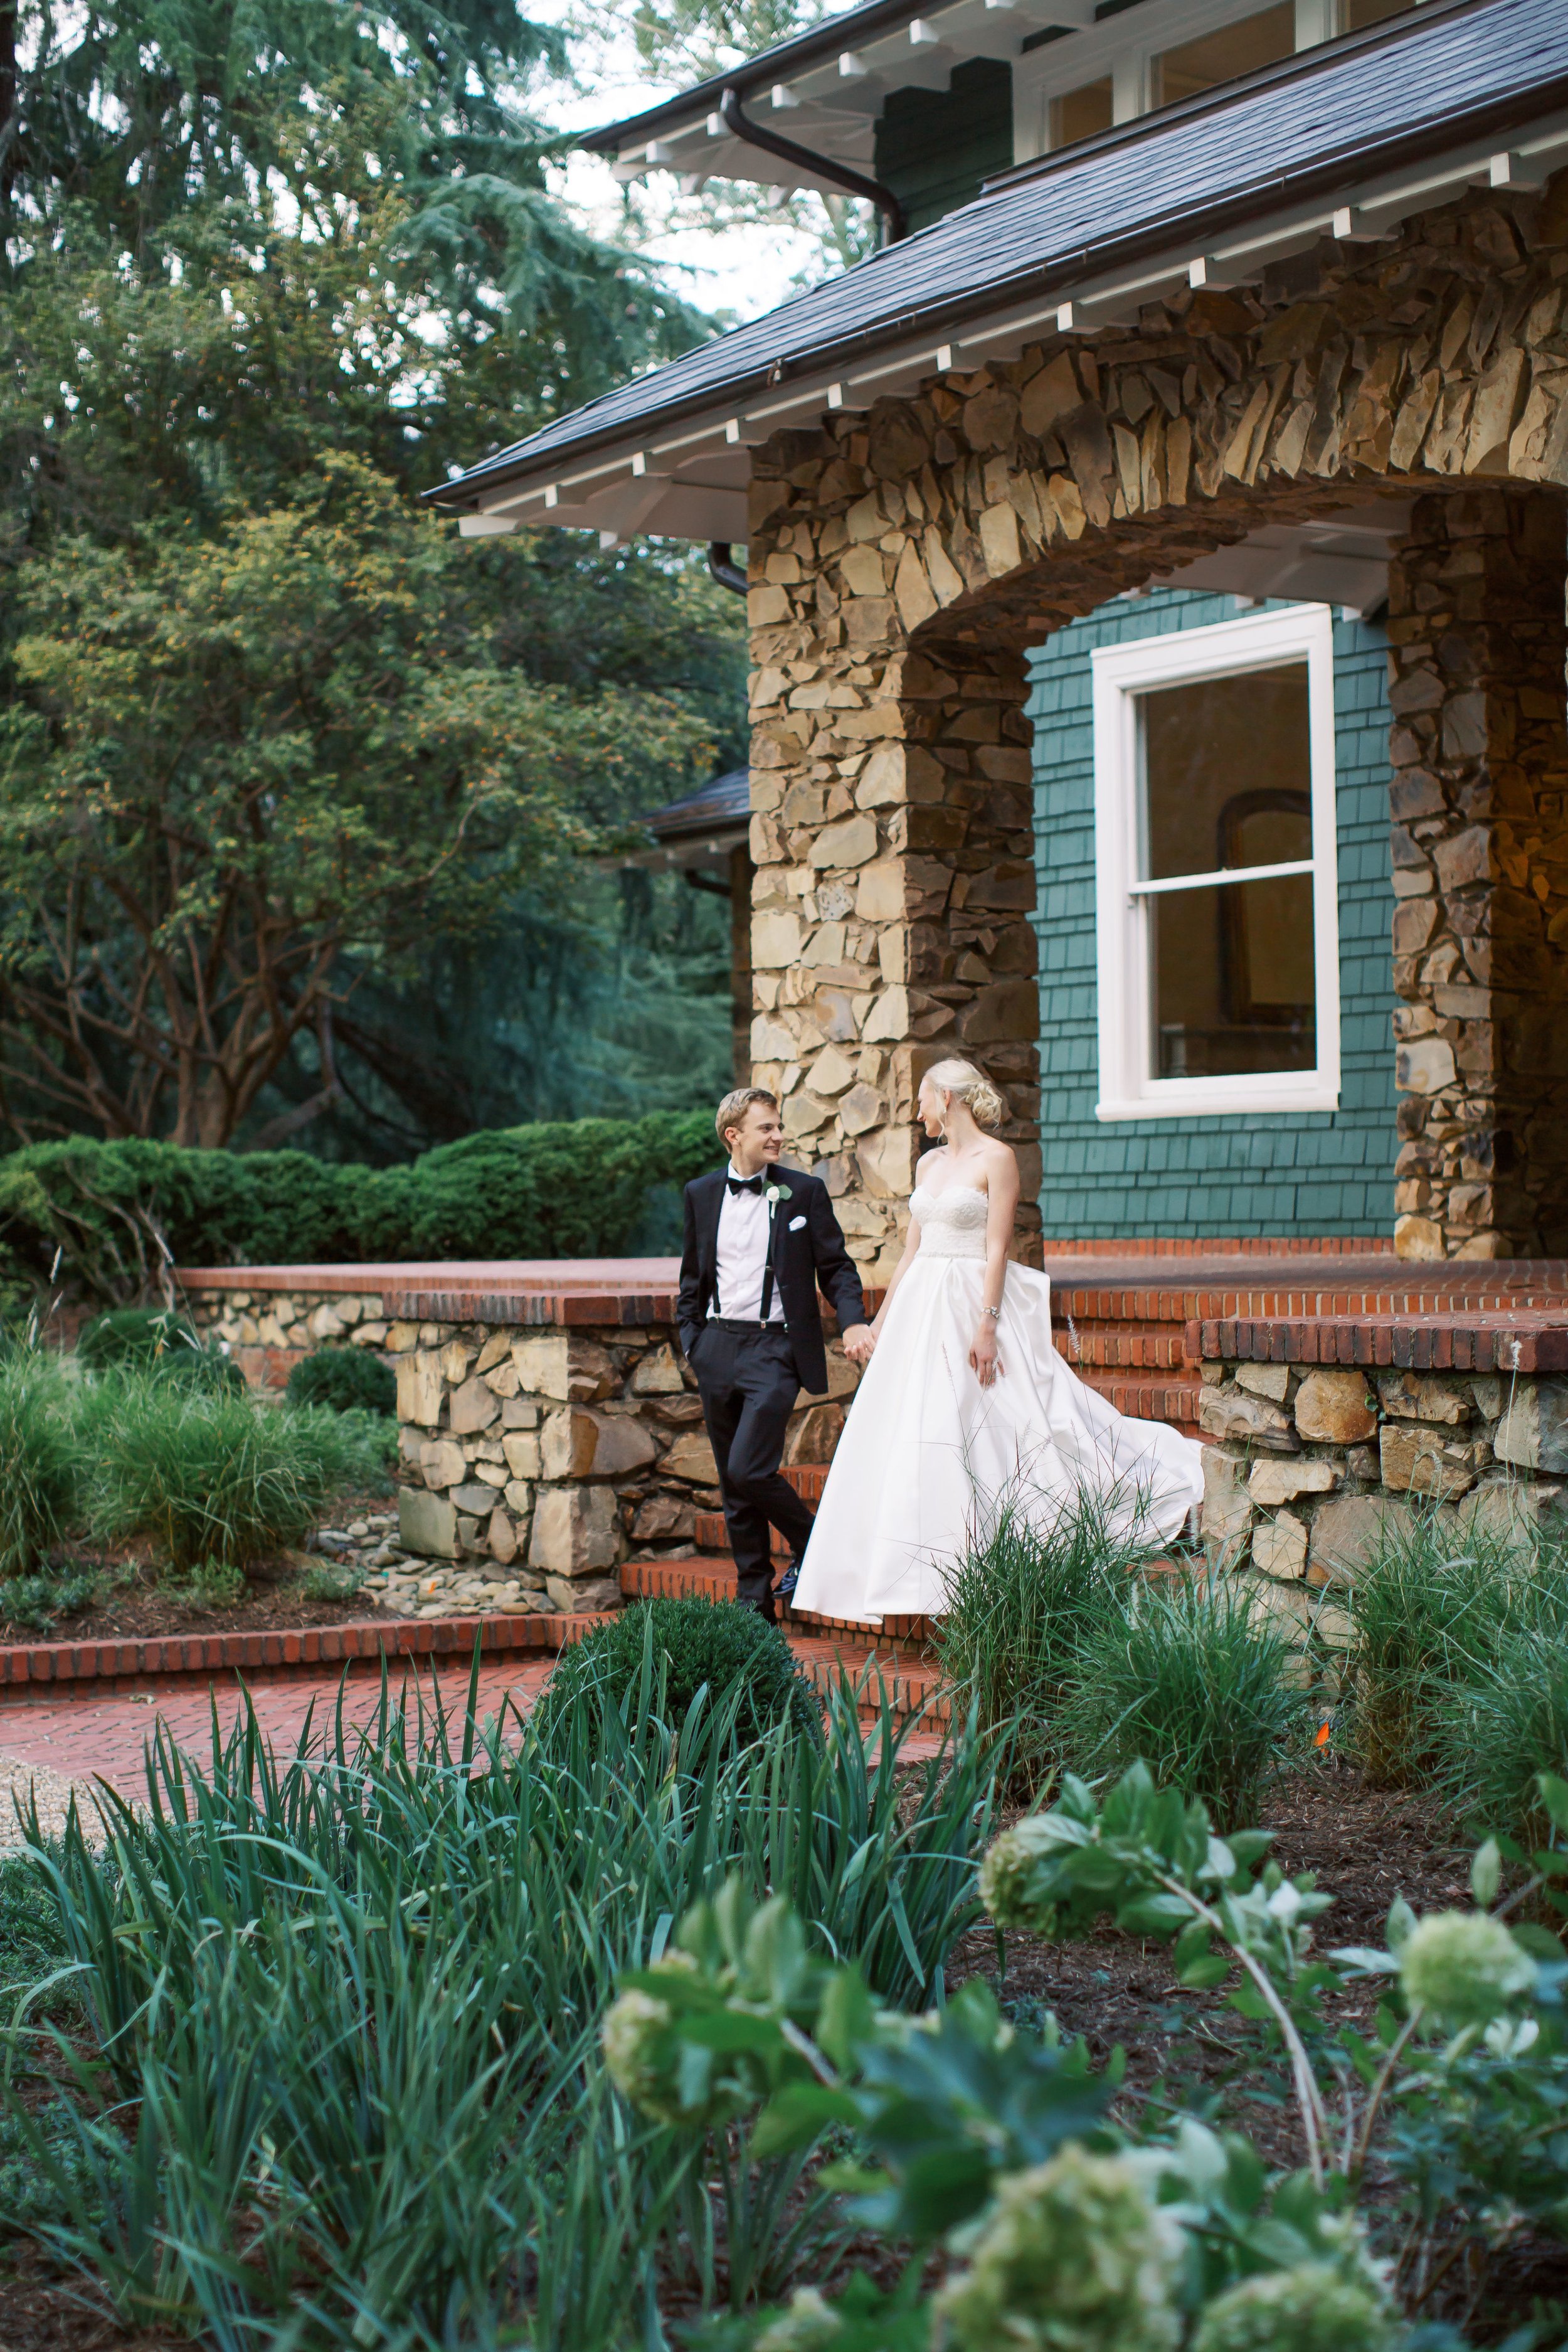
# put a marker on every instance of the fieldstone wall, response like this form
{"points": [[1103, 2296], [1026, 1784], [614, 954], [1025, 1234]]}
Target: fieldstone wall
{"points": [[1480, 748], [558, 1453], [1309, 1462], [268, 1332], [901, 559]]}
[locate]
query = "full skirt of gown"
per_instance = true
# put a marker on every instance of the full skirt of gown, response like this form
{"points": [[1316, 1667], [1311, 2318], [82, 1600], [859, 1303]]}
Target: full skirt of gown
{"points": [[928, 1458]]}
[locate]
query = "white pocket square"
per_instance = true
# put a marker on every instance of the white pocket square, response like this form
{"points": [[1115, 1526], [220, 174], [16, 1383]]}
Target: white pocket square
{"points": [[796, 1224]]}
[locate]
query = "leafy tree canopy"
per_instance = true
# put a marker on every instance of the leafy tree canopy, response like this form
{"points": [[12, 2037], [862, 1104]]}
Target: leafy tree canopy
{"points": [[271, 737]]}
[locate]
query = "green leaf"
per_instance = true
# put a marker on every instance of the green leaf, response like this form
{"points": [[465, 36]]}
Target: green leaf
{"points": [[1554, 1797], [1486, 1875], [1155, 1915], [1400, 1926], [797, 2116], [1202, 1975]]}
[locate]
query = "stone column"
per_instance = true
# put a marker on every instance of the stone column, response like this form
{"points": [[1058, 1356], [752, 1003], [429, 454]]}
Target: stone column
{"points": [[892, 836], [741, 872], [1480, 754]]}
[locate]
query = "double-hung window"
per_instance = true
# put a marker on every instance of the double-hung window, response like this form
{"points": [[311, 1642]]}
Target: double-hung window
{"points": [[1216, 894]]}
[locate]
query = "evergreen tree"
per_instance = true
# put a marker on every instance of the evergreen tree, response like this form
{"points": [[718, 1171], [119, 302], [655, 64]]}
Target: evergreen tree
{"points": [[275, 740]]}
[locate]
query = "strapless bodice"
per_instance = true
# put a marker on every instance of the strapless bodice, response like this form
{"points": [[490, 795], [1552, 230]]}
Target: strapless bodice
{"points": [[952, 1221]]}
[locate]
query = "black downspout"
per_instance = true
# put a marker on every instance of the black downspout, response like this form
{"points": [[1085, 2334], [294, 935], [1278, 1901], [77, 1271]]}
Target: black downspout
{"points": [[727, 574], [854, 184], [839, 176]]}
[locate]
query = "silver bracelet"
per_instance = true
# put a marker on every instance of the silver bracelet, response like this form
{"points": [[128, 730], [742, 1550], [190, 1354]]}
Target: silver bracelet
{"points": [[994, 1312]]}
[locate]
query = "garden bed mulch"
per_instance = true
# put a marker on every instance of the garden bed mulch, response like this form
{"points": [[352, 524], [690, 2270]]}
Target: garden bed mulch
{"points": [[1365, 1846], [135, 1602]]}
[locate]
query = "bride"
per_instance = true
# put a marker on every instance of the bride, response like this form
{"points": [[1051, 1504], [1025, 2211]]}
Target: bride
{"points": [[965, 1403]]}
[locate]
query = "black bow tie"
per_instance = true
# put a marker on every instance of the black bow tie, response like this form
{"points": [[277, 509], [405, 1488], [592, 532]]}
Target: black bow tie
{"points": [[744, 1183]]}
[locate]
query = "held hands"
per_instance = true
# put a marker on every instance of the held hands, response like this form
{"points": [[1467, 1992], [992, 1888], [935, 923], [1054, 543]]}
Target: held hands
{"points": [[860, 1341], [987, 1365]]}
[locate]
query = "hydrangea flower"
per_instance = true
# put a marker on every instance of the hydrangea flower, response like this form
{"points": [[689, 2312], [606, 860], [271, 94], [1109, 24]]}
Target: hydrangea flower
{"points": [[809, 2325], [1006, 1870], [633, 2037], [1312, 2308], [1463, 1967], [1070, 2256]]}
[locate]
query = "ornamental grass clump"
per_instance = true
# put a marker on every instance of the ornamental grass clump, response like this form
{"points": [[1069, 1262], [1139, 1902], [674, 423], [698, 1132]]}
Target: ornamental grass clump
{"points": [[40, 1477], [210, 1479], [1023, 1601], [1426, 1616], [351, 2001], [1501, 1725], [1193, 1680]]}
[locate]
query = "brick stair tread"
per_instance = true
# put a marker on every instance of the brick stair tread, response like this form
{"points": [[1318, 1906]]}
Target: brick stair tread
{"points": [[309, 1647], [713, 1576]]}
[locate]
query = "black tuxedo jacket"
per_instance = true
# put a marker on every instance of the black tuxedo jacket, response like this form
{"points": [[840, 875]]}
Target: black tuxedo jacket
{"points": [[808, 1249]]}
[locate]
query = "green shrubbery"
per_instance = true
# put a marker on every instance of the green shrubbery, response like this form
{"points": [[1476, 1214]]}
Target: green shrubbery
{"points": [[1199, 1683], [350, 2002], [1055, 1637], [344, 1379], [213, 1477], [212, 1480], [110, 1210], [696, 1645]]}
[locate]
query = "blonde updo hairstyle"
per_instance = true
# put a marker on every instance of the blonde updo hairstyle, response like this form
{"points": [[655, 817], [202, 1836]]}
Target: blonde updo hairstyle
{"points": [[970, 1086]]}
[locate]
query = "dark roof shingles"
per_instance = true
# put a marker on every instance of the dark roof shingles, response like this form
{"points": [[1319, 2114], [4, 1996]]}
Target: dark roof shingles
{"points": [[1487, 59]]}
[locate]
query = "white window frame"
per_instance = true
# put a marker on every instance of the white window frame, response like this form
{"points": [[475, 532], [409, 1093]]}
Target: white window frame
{"points": [[1120, 674]]}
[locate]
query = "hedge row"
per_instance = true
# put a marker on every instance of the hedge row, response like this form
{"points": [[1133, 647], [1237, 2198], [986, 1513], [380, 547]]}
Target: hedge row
{"points": [[110, 1211]]}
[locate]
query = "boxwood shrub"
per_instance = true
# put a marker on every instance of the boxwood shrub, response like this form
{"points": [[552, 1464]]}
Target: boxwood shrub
{"points": [[343, 1378], [572, 1189], [712, 1642]]}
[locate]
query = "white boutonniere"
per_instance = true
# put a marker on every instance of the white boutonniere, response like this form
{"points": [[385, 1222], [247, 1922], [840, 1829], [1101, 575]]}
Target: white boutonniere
{"points": [[777, 1192]]}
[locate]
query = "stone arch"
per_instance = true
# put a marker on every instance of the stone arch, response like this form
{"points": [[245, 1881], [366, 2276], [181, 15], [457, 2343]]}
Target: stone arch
{"points": [[902, 559]]}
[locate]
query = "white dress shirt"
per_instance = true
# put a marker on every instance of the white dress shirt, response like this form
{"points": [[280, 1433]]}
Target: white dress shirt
{"points": [[742, 1259]]}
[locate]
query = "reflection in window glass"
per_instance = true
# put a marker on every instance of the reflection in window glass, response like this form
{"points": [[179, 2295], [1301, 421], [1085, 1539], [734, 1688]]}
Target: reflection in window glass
{"points": [[1218, 57], [1080, 113], [1207, 744], [1233, 979], [1226, 786], [1357, 14]]}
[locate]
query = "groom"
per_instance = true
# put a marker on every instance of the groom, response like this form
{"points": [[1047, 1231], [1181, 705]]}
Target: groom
{"points": [[758, 1240]]}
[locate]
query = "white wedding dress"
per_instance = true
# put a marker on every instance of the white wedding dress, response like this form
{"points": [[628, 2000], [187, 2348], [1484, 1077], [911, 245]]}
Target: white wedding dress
{"points": [[927, 1456]]}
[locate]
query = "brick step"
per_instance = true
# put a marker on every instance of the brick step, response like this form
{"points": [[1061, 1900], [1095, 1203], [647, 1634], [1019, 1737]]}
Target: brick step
{"points": [[911, 1686], [1149, 1398], [713, 1576], [1113, 1344], [302, 1651]]}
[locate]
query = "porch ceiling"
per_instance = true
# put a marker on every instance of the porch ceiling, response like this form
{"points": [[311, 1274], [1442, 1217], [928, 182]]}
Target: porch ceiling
{"points": [[1340, 559], [1346, 140]]}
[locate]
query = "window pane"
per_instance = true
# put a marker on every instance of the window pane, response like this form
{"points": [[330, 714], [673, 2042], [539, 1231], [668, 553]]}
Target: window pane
{"points": [[1220, 57], [1233, 979], [1227, 773], [1080, 113]]}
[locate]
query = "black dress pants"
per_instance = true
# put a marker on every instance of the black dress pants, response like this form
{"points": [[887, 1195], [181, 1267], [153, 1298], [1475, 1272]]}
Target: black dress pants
{"points": [[747, 1383]]}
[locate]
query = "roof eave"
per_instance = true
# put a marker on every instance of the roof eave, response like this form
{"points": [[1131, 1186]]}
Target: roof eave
{"points": [[1333, 176]]}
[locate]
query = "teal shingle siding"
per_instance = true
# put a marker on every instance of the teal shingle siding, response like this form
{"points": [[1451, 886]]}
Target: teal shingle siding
{"points": [[1300, 1173], [934, 147]]}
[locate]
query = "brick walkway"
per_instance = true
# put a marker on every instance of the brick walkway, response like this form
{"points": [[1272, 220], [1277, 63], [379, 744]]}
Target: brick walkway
{"points": [[77, 1741], [83, 1738]]}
